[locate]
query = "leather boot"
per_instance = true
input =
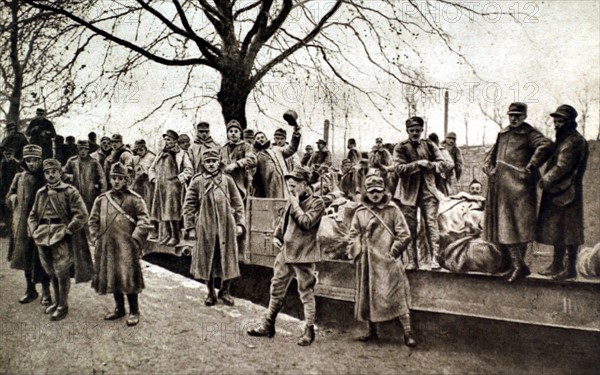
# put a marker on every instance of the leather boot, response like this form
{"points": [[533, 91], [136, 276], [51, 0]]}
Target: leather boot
{"points": [[46, 299], [520, 270], [412, 257], [52, 308], [557, 262], [570, 270], [64, 284], [134, 310], [119, 307], [30, 294], [371, 335], [307, 337], [435, 255], [167, 227], [153, 236], [224, 294], [211, 299], [409, 340], [267, 327], [174, 240]]}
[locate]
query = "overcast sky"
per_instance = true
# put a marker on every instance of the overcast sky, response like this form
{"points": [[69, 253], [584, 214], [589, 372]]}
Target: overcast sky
{"points": [[545, 60]]}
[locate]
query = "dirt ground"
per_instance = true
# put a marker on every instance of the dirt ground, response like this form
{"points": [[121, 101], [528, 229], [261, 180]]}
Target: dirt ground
{"points": [[179, 335]]}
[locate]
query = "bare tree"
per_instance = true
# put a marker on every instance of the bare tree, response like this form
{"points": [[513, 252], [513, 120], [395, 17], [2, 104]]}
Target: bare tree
{"points": [[246, 41], [585, 98], [41, 69]]}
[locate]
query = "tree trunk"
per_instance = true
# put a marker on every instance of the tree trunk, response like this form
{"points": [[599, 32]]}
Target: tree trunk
{"points": [[233, 97], [15, 95]]}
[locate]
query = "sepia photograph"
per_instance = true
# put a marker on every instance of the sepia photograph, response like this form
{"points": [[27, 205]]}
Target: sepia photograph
{"points": [[299, 187]]}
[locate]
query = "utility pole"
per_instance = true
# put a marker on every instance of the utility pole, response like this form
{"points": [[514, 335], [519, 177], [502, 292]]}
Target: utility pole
{"points": [[445, 113]]}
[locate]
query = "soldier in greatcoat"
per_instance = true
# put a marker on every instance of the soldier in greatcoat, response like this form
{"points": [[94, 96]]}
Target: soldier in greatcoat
{"points": [[15, 140], [560, 220], [141, 167], [511, 205], [119, 154], [56, 224], [417, 162], [9, 167], [378, 236], [184, 142], [347, 180], [271, 165], [119, 223], [353, 154], [308, 152], [202, 142], [86, 174], [22, 252], [213, 213], [239, 158], [296, 236], [103, 152], [170, 172], [41, 132]]}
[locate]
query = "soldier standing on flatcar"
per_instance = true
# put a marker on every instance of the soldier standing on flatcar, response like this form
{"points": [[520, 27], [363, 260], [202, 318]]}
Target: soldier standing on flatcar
{"points": [[238, 156], [202, 142], [86, 174], [141, 167], [296, 236], [560, 221], [170, 172], [213, 213], [120, 154], [511, 206]]}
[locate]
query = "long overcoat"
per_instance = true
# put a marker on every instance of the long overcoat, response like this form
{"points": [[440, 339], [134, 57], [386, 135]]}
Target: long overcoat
{"points": [[297, 230], [213, 206], [72, 211], [271, 169], [560, 221], [22, 251], [196, 150], [511, 206], [118, 239], [141, 182], [170, 171], [87, 175], [382, 289]]}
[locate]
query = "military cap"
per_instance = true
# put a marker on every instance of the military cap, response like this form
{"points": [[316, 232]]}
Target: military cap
{"points": [[172, 134], [414, 121], [203, 126], [50, 164], [363, 163], [290, 117], [116, 138], [105, 138], [83, 144], [322, 142], [40, 111], [280, 131], [32, 151], [248, 133], [308, 147], [11, 125], [517, 108], [183, 138], [346, 161], [451, 135], [299, 174], [210, 153], [118, 169], [374, 183], [234, 124], [378, 140], [565, 111], [139, 144], [352, 141]]}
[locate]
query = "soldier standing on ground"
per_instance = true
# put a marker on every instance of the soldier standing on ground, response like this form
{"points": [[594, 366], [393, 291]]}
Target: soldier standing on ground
{"points": [[296, 236]]}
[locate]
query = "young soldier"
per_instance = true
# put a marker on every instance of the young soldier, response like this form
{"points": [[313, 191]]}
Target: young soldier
{"points": [[56, 223], [118, 224], [23, 253], [213, 213], [417, 162], [86, 174], [238, 157], [170, 171], [296, 236], [379, 234]]}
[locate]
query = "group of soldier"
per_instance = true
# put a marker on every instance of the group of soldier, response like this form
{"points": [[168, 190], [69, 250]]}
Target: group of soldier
{"points": [[197, 189]]}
